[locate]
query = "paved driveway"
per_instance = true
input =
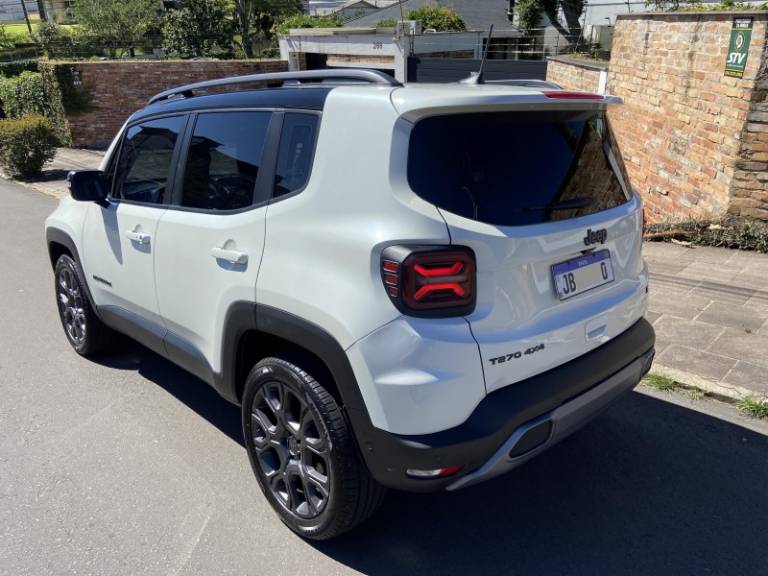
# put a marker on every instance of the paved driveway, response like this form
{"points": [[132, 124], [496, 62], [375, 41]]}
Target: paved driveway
{"points": [[130, 466], [709, 307]]}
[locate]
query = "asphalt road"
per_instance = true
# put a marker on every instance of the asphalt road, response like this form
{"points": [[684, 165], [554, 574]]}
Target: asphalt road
{"points": [[129, 466]]}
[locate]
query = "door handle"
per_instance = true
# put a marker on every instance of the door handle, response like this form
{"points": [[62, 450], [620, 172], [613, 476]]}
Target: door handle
{"points": [[139, 237], [231, 256]]}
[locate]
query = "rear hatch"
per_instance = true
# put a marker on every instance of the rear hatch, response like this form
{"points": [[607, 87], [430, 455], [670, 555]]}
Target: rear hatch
{"points": [[541, 195]]}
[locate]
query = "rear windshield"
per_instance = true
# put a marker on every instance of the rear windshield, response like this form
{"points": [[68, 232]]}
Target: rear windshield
{"points": [[517, 168]]}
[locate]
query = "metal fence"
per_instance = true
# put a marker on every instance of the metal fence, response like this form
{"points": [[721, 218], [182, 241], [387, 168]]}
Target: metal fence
{"points": [[537, 44]]}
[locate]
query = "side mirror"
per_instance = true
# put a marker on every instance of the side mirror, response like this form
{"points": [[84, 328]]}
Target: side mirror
{"points": [[88, 186]]}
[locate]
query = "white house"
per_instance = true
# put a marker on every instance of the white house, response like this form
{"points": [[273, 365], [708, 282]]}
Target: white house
{"points": [[349, 9], [10, 10], [383, 49]]}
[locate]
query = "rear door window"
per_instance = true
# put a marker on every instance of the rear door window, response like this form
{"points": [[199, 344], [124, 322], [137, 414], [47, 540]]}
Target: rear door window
{"points": [[224, 160], [517, 168]]}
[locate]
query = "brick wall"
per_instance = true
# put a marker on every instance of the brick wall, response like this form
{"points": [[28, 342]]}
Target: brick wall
{"points": [[117, 89], [694, 140], [574, 74], [749, 189]]}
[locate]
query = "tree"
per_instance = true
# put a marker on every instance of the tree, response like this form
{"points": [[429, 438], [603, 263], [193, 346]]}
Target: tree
{"points": [[257, 18], [529, 15], [438, 18], [121, 24], [41, 10], [198, 28]]}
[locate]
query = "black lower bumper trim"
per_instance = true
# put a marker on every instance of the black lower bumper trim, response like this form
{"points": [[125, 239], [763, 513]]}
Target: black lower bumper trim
{"points": [[498, 415]]}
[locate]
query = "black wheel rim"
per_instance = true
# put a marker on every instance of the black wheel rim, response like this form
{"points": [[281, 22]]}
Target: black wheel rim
{"points": [[290, 450], [70, 300]]}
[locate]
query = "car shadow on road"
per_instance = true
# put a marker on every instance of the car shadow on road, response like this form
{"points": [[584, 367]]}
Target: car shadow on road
{"points": [[186, 388], [649, 488]]}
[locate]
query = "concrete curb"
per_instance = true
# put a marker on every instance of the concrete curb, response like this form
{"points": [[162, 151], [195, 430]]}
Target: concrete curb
{"points": [[729, 393]]}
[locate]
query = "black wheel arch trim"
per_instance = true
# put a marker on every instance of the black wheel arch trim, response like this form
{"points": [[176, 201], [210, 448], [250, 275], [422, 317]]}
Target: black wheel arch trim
{"points": [[58, 236], [245, 316]]}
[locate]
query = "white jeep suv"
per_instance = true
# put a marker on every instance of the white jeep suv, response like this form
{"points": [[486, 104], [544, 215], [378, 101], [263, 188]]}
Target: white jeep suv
{"points": [[416, 287]]}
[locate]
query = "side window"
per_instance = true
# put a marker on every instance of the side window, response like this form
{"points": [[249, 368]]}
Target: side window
{"points": [[297, 146], [224, 159], [144, 166]]}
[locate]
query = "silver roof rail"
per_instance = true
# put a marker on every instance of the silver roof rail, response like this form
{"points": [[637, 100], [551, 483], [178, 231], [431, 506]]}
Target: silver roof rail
{"points": [[354, 74], [529, 82]]}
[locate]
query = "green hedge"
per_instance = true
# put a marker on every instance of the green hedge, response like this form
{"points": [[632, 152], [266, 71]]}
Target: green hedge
{"points": [[59, 83], [306, 21], [30, 93], [26, 144], [8, 69], [439, 18]]}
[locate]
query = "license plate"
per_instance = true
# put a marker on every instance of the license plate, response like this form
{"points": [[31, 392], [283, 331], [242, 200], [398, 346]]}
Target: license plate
{"points": [[578, 275]]}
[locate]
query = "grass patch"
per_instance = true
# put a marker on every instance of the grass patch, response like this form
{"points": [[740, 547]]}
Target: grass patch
{"points": [[18, 32], [755, 407], [660, 382], [694, 393]]}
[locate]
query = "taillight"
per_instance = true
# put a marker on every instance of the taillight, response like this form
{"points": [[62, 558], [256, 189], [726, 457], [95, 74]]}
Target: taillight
{"points": [[433, 281]]}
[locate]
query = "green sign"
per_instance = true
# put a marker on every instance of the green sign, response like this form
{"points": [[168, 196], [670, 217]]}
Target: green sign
{"points": [[738, 47]]}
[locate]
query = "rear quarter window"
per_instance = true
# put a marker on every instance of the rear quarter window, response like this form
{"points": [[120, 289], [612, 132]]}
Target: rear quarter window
{"points": [[517, 168], [297, 148]]}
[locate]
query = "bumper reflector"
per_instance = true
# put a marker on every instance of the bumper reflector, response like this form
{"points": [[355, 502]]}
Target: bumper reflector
{"points": [[437, 473]]}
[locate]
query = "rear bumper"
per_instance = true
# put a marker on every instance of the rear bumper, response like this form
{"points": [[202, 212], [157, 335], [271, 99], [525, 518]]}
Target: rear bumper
{"points": [[517, 422]]}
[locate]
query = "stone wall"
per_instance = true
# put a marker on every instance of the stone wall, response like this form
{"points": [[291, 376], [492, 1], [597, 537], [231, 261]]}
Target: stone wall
{"points": [[749, 189], [117, 89], [575, 74], [694, 140]]}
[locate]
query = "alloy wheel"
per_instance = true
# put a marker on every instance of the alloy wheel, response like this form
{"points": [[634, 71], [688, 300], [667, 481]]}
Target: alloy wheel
{"points": [[291, 450], [70, 300]]}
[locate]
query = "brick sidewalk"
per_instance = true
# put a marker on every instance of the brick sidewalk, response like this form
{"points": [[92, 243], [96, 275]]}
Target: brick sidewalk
{"points": [[709, 307], [54, 179]]}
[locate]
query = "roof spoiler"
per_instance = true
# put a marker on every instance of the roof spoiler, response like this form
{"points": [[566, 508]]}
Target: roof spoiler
{"points": [[528, 82]]}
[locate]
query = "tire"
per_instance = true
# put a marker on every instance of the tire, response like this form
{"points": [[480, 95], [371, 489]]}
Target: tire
{"points": [[84, 331], [303, 453]]}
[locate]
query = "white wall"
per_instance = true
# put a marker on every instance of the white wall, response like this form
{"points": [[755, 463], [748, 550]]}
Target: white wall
{"points": [[377, 45]]}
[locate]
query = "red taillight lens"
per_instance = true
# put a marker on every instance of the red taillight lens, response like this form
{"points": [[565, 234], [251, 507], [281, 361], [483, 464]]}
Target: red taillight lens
{"points": [[430, 281], [569, 95]]}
